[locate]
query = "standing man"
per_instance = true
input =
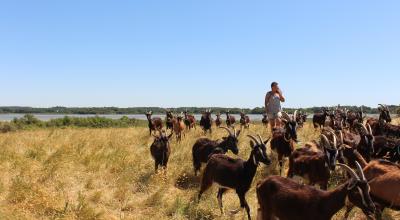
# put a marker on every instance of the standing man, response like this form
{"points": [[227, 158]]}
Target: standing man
{"points": [[273, 107]]}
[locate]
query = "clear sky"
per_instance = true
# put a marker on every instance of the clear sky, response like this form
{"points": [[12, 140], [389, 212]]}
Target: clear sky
{"points": [[198, 53]]}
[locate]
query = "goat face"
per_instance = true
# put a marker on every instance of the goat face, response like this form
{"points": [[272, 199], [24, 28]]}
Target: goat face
{"points": [[331, 157], [384, 114], [148, 115], [162, 139], [259, 152], [291, 132], [232, 142]]}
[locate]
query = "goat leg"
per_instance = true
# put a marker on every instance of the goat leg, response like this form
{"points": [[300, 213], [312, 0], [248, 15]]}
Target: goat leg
{"points": [[243, 204], [221, 191]]}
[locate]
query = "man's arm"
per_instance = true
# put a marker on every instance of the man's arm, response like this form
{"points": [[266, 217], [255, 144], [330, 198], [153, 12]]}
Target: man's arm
{"points": [[267, 96], [281, 96]]}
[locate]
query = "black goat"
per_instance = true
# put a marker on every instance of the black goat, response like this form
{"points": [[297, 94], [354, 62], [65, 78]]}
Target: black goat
{"points": [[264, 120], [153, 123], [230, 119], [206, 121], [204, 148], [320, 118], [244, 121], [160, 149], [218, 120], [168, 119], [235, 174]]}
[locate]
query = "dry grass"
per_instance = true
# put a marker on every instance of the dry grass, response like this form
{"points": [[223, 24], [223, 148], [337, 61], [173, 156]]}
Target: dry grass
{"points": [[109, 174]]}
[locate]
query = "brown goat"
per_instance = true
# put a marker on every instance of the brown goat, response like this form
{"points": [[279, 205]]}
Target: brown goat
{"points": [[384, 180], [314, 165], [285, 199], [190, 120], [244, 121], [265, 120], [230, 119], [218, 120], [153, 123], [235, 174], [283, 140], [179, 127]]}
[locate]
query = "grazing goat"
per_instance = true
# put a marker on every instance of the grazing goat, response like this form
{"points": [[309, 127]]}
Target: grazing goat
{"points": [[285, 199], [160, 149], [283, 140], [190, 120], [204, 148], [154, 123], [235, 174], [384, 181], [179, 127], [320, 118], [264, 120], [230, 119], [206, 121], [168, 120], [316, 166], [218, 120], [244, 121]]}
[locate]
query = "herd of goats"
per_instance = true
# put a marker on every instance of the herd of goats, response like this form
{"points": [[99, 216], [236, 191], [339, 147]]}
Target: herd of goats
{"points": [[367, 150]]}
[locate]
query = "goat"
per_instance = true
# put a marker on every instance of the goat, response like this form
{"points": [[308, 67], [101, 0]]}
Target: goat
{"points": [[235, 174], [366, 144], [384, 181], [382, 125], [285, 199], [160, 149], [301, 118], [244, 121], [179, 127], [204, 148], [264, 120], [168, 119], [190, 120], [283, 140], [230, 119], [314, 165], [218, 120], [386, 147], [320, 118], [354, 117], [206, 121], [153, 123]]}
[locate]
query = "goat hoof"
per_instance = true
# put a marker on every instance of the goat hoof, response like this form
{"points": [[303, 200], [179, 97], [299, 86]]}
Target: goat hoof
{"points": [[234, 212]]}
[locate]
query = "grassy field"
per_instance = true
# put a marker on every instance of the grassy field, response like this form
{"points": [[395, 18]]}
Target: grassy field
{"points": [[108, 173]]}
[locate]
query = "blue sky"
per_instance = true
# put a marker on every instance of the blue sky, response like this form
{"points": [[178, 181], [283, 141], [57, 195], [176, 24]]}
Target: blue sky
{"points": [[198, 53]]}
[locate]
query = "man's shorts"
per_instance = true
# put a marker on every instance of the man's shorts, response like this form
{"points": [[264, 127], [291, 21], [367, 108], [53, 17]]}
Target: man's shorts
{"points": [[273, 116]]}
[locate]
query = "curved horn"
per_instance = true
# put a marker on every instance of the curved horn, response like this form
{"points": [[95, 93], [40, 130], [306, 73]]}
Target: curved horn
{"points": [[286, 116], [334, 139], [360, 172], [227, 129], [363, 127], [260, 138], [341, 137], [294, 115], [349, 171], [324, 140], [234, 131], [369, 128], [253, 138]]}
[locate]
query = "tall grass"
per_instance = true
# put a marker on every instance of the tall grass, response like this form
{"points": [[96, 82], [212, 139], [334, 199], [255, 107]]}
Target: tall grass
{"points": [[108, 173]]}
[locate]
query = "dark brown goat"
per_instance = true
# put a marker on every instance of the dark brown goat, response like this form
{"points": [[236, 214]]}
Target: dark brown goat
{"points": [[265, 120], [320, 118], [235, 174], [190, 120], [206, 121], [283, 140], [384, 180], [285, 199], [316, 166], [168, 119], [153, 123], [230, 119], [386, 148], [354, 117], [204, 148], [160, 149], [244, 121]]}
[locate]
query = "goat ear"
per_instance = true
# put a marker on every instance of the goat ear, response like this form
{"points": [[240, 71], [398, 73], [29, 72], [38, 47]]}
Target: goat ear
{"points": [[237, 133]]}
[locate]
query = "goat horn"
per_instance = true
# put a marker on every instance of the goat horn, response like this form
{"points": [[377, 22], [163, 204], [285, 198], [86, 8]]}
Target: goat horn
{"points": [[234, 131], [341, 137], [253, 138], [349, 171], [324, 140], [369, 128], [398, 150], [360, 171], [261, 140], [286, 116], [227, 129], [334, 139], [294, 115], [363, 127]]}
